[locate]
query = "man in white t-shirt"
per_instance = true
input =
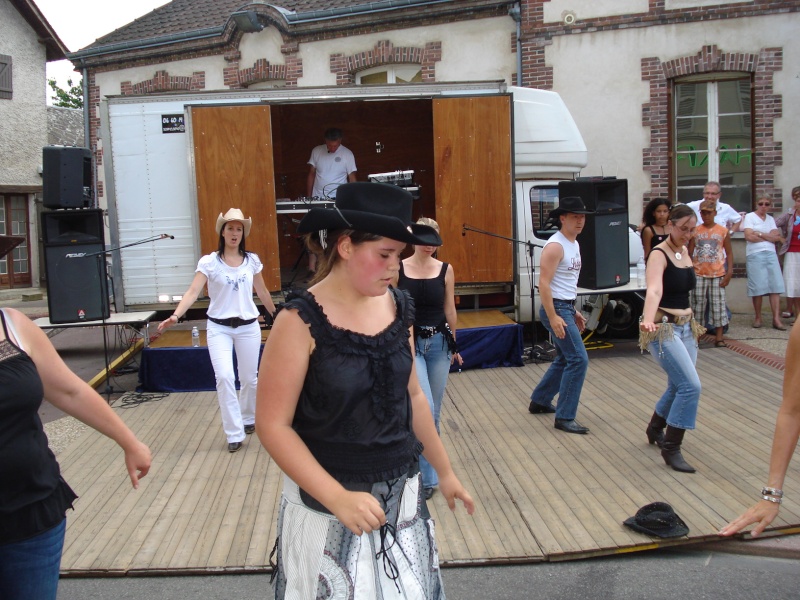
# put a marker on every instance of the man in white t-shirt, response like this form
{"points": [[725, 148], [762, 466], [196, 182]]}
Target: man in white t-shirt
{"points": [[331, 165], [560, 266], [726, 215]]}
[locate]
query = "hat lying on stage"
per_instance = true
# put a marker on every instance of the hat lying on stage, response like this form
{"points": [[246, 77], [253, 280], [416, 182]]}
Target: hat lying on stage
{"points": [[658, 519], [8, 243], [234, 214], [378, 208]]}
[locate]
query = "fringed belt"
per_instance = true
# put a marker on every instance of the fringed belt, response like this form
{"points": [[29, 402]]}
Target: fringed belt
{"points": [[665, 330]]}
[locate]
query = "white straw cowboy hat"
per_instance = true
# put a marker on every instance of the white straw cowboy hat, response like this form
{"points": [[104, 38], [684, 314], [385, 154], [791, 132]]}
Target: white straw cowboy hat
{"points": [[234, 214]]}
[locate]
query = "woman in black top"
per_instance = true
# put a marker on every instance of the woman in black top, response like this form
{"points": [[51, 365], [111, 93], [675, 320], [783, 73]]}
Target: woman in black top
{"points": [[670, 333], [341, 411], [431, 284], [656, 224], [33, 496]]}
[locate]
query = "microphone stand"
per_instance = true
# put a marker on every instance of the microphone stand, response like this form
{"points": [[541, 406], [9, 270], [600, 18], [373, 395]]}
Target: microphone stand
{"points": [[534, 355], [101, 273]]}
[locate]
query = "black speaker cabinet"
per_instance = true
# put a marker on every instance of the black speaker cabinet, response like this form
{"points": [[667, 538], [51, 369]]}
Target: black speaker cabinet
{"points": [[599, 195], [605, 256], [67, 177], [77, 287]]}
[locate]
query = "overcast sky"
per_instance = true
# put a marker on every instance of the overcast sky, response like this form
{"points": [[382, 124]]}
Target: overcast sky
{"points": [[80, 22]]}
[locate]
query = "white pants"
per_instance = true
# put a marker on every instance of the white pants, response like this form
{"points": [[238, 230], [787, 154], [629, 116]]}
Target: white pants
{"points": [[236, 411]]}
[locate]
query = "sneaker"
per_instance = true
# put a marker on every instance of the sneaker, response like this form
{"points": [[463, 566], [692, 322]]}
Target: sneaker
{"points": [[248, 429]]}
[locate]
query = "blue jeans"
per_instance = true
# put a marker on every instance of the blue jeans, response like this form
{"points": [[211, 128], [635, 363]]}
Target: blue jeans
{"points": [[568, 370], [677, 357], [29, 569], [433, 365]]}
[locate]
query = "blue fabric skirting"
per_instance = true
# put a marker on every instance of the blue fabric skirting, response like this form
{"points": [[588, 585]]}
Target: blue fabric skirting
{"points": [[189, 369]]}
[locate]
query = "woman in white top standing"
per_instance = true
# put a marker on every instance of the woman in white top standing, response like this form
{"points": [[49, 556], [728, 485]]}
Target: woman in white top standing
{"points": [[231, 274], [764, 276]]}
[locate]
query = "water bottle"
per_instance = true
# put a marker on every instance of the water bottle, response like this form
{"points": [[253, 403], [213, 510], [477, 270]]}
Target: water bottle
{"points": [[195, 337], [641, 279]]}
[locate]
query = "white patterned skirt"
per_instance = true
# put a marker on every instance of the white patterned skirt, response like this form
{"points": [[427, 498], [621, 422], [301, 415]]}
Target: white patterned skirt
{"points": [[319, 558], [791, 274]]}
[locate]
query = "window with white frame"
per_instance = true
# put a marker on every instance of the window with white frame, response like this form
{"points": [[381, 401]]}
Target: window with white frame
{"points": [[713, 138], [390, 74]]}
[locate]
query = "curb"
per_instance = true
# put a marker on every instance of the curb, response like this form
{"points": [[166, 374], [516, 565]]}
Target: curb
{"points": [[768, 545]]}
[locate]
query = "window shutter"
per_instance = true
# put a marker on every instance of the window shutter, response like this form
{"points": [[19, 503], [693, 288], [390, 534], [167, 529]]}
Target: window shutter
{"points": [[5, 77]]}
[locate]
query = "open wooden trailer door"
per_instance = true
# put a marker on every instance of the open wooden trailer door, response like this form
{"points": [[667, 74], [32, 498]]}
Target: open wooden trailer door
{"points": [[474, 185], [233, 161]]}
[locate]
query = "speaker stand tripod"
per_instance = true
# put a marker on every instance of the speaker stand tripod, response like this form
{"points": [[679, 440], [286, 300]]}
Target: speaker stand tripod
{"points": [[101, 273]]}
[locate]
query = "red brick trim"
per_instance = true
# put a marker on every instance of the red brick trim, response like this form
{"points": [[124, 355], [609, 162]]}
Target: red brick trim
{"points": [[758, 355], [384, 53], [162, 81], [767, 106], [261, 71]]}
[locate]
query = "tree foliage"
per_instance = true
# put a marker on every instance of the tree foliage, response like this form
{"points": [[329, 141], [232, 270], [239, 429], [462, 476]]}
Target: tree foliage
{"points": [[72, 97]]}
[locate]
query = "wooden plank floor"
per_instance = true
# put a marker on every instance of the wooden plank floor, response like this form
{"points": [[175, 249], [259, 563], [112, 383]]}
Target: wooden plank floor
{"points": [[541, 494]]}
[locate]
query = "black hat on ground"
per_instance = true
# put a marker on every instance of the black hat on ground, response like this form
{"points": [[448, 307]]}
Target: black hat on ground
{"points": [[657, 519], [378, 208]]}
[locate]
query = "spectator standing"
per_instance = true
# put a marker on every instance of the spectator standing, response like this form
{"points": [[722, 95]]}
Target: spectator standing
{"points": [[712, 256], [789, 224], [656, 224], [763, 269]]}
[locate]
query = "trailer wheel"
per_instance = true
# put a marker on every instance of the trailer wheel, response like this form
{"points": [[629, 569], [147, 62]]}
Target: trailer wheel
{"points": [[621, 315]]}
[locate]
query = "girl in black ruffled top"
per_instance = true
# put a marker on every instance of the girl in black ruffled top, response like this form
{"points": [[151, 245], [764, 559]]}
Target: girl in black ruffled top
{"points": [[342, 413]]}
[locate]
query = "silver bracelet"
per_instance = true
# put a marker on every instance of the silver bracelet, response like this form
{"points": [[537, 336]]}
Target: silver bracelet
{"points": [[771, 491], [773, 499]]}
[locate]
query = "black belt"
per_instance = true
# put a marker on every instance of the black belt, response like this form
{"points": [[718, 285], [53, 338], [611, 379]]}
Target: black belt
{"points": [[570, 302], [233, 322]]}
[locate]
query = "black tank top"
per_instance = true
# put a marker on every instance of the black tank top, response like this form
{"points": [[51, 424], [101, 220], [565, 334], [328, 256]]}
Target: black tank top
{"points": [[676, 283], [33, 496], [428, 295], [657, 238]]}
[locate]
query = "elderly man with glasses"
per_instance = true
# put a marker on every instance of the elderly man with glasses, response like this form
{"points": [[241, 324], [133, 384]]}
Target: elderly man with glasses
{"points": [[726, 214]]}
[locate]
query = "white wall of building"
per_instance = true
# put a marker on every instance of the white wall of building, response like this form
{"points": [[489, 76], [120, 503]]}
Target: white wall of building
{"points": [[556, 10], [608, 110], [23, 119]]}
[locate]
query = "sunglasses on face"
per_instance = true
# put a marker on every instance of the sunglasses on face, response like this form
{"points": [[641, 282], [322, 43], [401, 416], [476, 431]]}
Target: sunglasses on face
{"points": [[763, 203]]}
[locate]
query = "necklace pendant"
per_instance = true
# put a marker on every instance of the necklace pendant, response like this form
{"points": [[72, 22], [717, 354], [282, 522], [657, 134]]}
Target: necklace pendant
{"points": [[678, 256]]}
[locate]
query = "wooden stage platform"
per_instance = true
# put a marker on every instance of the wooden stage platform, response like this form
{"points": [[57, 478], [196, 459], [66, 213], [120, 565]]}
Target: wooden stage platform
{"points": [[542, 495]]}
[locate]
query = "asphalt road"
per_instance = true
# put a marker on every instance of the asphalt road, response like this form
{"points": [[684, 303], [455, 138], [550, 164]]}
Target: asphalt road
{"points": [[655, 575]]}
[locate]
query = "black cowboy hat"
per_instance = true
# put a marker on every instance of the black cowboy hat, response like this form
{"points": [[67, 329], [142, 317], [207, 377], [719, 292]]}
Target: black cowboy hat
{"points": [[378, 208], [570, 204], [658, 519], [8, 243]]}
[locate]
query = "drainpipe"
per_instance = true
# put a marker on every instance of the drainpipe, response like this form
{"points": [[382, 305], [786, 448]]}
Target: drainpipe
{"points": [[515, 13]]}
